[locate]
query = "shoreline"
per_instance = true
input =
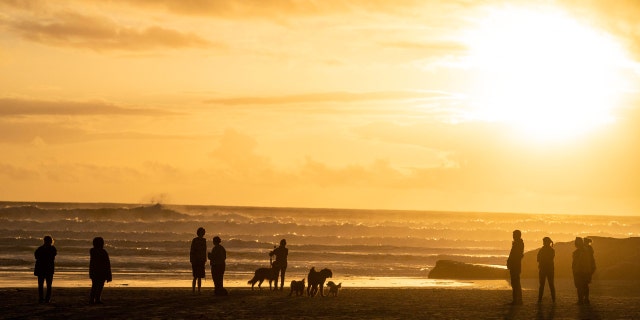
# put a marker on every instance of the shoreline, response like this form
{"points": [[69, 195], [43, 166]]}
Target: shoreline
{"points": [[351, 303]]}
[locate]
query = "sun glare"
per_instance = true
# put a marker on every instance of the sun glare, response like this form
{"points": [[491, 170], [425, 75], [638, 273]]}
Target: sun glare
{"points": [[544, 73]]}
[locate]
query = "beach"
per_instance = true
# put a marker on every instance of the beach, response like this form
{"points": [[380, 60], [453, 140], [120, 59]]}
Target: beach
{"points": [[608, 302]]}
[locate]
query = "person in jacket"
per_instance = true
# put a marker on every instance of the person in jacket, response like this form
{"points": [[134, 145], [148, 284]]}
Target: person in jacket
{"points": [[45, 256], [198, 258], [546, 255], [99, 270], [218, 257], [514, 264]]}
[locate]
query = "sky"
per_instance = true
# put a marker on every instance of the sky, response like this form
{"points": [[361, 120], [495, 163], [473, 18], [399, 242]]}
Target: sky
{"points": [[493, 106]]}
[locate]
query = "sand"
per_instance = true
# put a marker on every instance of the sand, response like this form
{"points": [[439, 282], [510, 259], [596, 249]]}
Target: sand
{"points": [[352, 303]]}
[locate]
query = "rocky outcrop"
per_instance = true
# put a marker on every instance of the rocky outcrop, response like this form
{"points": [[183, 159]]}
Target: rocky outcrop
{"points": [[449, 269], [616, 259]]}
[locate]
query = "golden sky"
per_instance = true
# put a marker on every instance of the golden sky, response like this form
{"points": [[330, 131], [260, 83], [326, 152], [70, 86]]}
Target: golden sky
{"points": [[511, 106]]}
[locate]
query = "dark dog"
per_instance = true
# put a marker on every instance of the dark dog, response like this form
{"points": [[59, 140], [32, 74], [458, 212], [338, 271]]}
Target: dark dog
{"points": [[316, 279], [298, 287], [333, 288], [261, 275]]}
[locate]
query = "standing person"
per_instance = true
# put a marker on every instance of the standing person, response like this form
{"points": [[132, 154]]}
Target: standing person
{"points": [[581, 267], [589, 248], [218, 256], [546, 268], [514, 264], [280, 265], [45, 257], [198, 258], [99, 269]]}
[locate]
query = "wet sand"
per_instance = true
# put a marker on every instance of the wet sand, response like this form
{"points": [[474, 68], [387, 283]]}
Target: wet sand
{"points": [[352, 303]]}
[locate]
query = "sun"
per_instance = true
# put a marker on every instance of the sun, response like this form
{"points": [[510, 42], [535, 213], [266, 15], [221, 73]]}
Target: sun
{"points": [[544, 73]]}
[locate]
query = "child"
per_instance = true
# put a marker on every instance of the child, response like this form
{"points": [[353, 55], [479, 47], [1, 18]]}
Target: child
{"points": [[198, 258], [99, 269]]}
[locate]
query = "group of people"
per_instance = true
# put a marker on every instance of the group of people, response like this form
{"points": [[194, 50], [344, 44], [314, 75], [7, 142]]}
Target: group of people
{"points": [[99, 269], [217, 257], [583, 266]]}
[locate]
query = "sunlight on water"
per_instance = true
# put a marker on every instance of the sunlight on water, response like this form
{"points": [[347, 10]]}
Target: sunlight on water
{"points": [[159, 280]]}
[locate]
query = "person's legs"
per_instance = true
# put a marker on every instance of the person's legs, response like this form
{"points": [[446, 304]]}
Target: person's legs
{"points": [[276, 274], [515, 285], [49, 280], [100, 286], [541, 279], [199, 284], [585, 292], [578, 283], [40, 289], [193, 285], [94, 288], [284, 269], [552, 286], [96, 291], [218, 279]]}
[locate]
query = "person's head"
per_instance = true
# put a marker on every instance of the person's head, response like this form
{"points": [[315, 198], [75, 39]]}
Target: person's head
{"points": [[200, 232], [579, 243], [517, 234], [216, 240], [283, 242], [546, 241], [587, 241], [98, 242], [48, 240]]}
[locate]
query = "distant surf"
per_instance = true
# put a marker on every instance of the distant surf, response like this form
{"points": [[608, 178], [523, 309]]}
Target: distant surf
{"points": [[149, 245]]}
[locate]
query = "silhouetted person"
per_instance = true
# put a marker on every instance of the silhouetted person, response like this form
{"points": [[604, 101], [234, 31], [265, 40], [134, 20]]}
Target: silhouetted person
{"points": [[45, 257], [582, 268], [218, 255], [514, 264], [589, 248], [280, 265], [546, 268], [99, 269], [198, 258]]}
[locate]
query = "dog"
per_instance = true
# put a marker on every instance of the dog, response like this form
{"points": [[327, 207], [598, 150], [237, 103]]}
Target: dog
{"points": [[298, 287], [261, 275], [333, 288], [316, 279]]}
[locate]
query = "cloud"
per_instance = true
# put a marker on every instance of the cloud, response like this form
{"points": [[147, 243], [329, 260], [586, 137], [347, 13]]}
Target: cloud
{"points": [[30, 107], [337, 97], [428, 47], [237, 162], [621, 17], [274, 8], [100, 34], [17, 173]]}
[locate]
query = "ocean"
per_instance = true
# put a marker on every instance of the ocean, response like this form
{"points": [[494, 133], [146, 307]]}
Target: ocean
{"points": [[149, 244]]}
